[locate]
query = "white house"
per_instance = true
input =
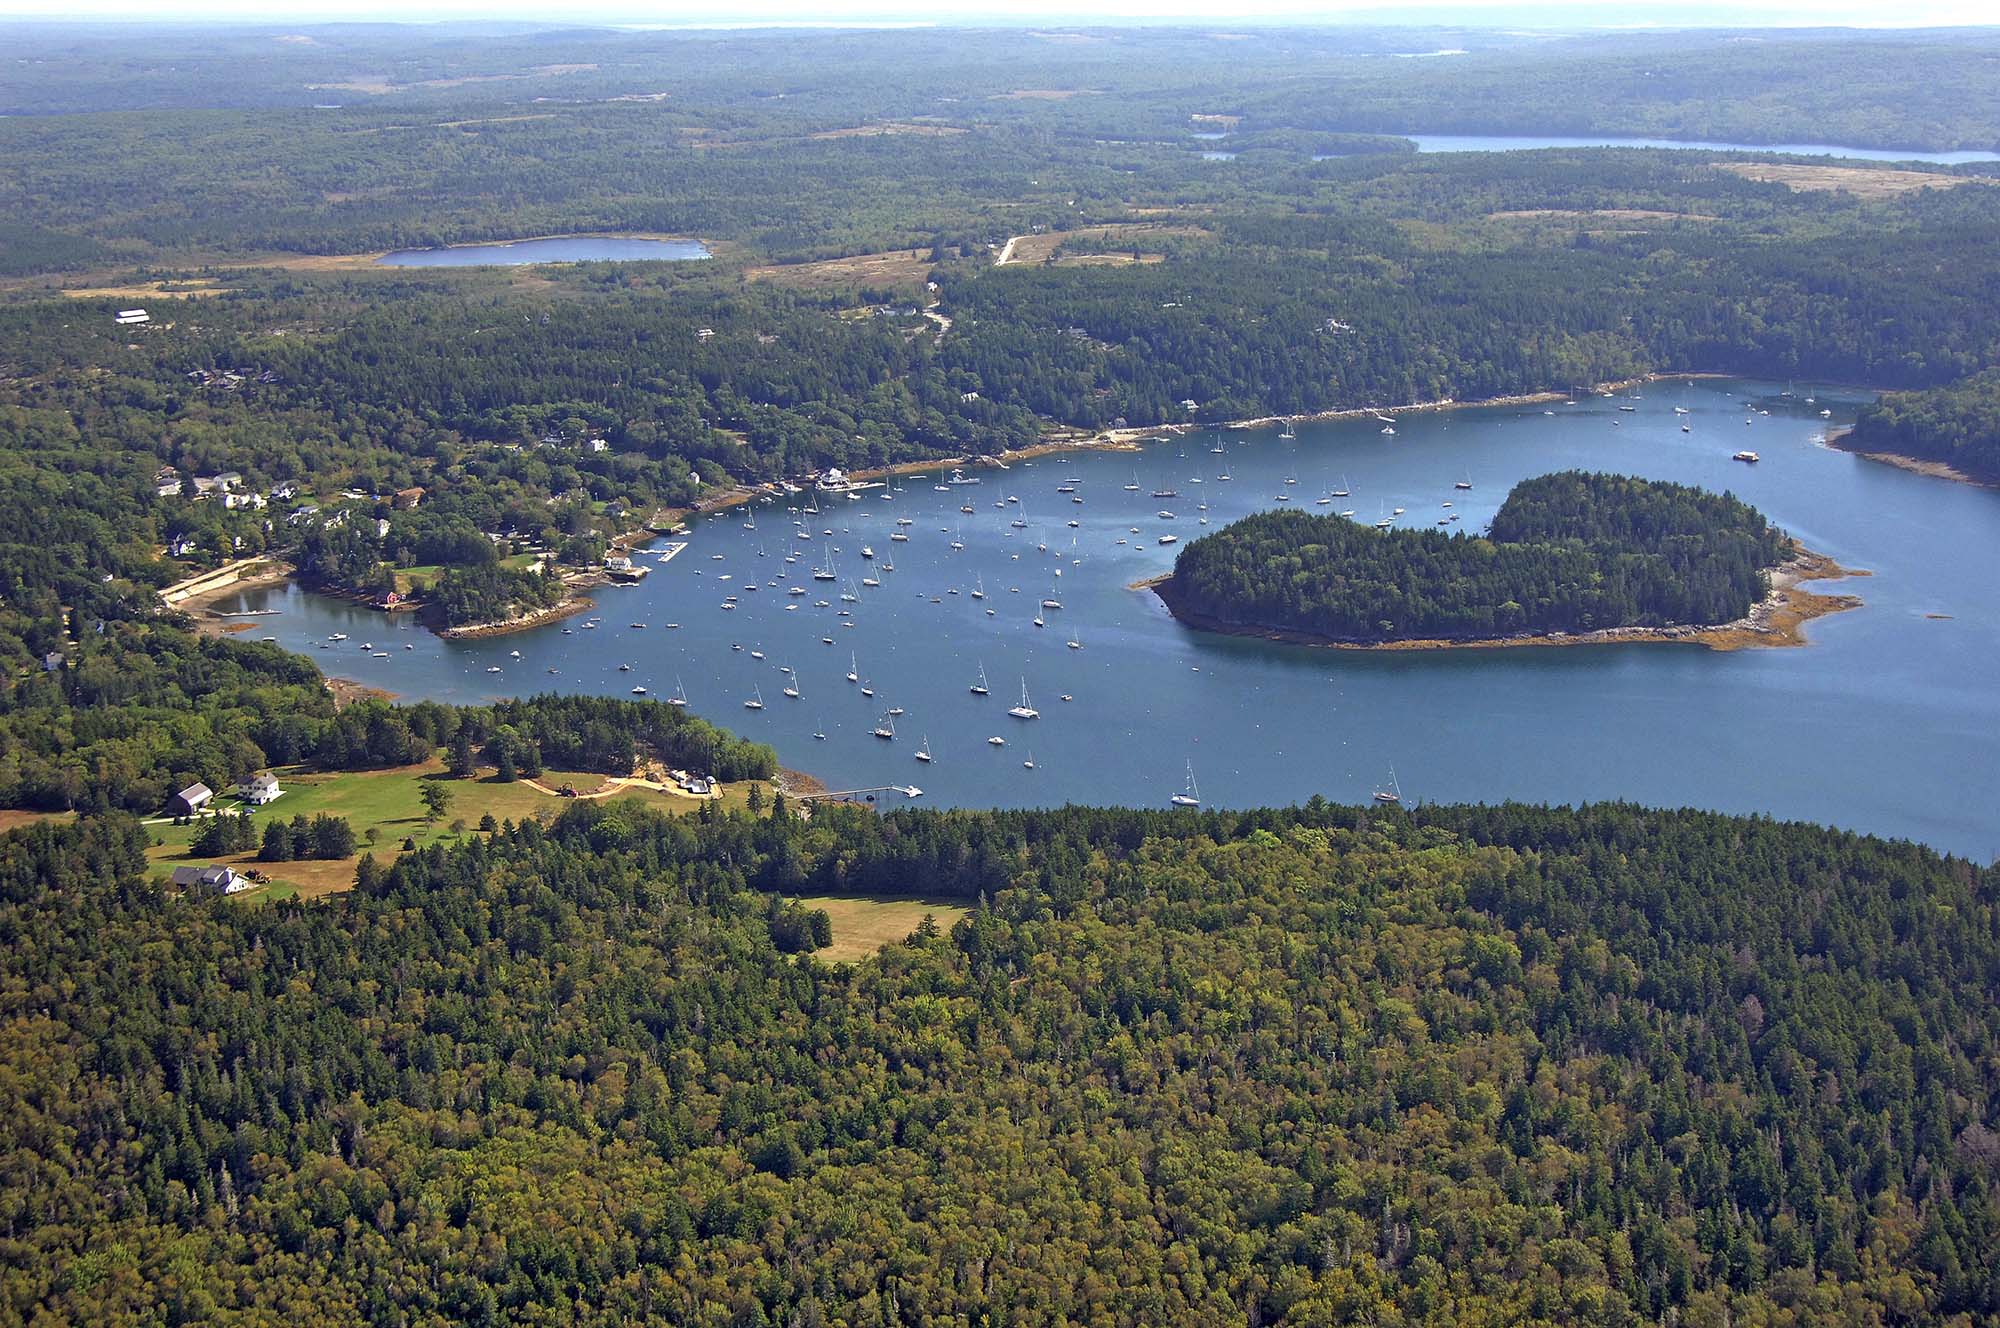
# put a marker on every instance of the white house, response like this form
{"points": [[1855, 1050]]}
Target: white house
{"points": [[259, 789], [598, 445], [132, 317], [222, 880]]}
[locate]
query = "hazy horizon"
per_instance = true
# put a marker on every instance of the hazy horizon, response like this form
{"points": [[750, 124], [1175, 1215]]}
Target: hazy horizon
{"points": [[906, 13]]}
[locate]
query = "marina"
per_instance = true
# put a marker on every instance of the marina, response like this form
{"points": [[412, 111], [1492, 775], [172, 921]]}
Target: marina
{"points": [[1874, 725]]}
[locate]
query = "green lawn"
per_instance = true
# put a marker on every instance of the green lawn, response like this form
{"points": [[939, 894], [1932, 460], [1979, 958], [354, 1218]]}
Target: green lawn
{"points": [[389, 802]]}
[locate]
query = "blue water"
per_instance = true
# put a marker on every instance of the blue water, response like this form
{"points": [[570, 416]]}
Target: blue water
{"points": [[563, 249], [1503, 143], [1888, 722]]}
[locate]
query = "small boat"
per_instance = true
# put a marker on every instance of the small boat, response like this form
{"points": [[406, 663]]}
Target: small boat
{"points": [[756, 701], [819, 733], [1029, 764], [897, 711], [624, 668], [1388, 430], [1189, 796], [979, 688], [886, 729], [853, 668], [792, 686], [1465, 483], [867, 551], [867, 688], [996, 741], [924, 751], [1166, 493], [680, 696], [492, 668], [1341, 492], [756, 654], [1392, 794], [1170, 539], [1288, 432], [1746, 455], [638, 691], [1024, 710], [979, 589]]}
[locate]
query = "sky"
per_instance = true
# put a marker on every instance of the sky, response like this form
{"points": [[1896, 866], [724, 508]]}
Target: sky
{"points": [[681, 13]]}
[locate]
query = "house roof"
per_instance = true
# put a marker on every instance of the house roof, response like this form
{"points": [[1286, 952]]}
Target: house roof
{"points": [[196, 791]]}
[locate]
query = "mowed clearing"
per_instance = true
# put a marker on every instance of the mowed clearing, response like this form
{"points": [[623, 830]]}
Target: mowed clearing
{"points": [[390, 802], [1102, 244], [894, 267], [1861, 181], [863, 926]]}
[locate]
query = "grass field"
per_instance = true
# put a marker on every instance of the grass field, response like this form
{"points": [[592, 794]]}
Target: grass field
{"points": [[1862, 181], [390, 803], [863, 926], [896, 267]]}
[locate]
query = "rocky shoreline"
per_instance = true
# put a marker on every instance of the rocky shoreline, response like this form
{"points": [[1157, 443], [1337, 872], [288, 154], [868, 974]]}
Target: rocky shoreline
{"points": [[1776, 620], [568, 608], [1937, 470]]}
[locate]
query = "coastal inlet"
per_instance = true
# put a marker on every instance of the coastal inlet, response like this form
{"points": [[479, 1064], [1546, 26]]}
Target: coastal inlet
{"points": [[1886, 721]]}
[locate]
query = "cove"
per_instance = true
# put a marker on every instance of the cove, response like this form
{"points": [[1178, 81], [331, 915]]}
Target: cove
{"points": [[1888, 721]]}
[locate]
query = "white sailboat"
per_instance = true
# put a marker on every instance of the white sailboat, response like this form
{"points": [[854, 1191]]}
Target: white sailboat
{"points": [[1024, 710], [979, 688], [792, 685], [886, 729], [680, 696], [853, 668], [756, 701], [1189, 796], [1392, 794], [979, 588], [924, 752]]}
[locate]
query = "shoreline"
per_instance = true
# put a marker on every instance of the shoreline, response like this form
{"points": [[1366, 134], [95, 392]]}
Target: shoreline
{"points": [[568, 608], [1776, 621], [1937, 470]]}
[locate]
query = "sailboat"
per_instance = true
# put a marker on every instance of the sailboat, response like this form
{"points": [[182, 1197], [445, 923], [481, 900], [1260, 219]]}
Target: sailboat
{"points": [[1024, 710], [1465, 483], [792, 687], [853, 668], [1392, 794], [886, 729], [1189, 796], [1288, 433], [680, 696], [1029, 764], [756, 701], [819, 731], [979, 589], [1133, 487], [979, 688], [924, 752], [1341, 492], [1074, 643]]}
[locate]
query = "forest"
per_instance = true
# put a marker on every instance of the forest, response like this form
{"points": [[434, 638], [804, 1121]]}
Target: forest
{"points": [[1958, 424], [1569, 552], [1323, 1065]]}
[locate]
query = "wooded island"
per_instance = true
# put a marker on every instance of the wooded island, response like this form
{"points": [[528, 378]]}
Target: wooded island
{"points": [[1568, 552]]}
